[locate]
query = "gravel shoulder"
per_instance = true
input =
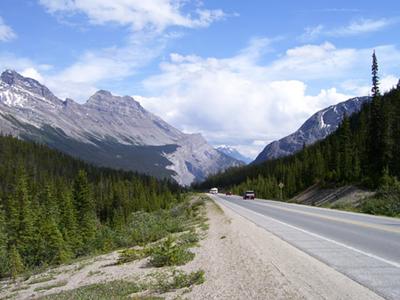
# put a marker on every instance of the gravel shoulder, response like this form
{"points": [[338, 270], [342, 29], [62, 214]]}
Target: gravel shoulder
{"points": [[244, 261]]}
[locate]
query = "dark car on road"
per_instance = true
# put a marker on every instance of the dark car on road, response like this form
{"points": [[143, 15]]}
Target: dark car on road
{"points": [[228, 193], [249, 195]]}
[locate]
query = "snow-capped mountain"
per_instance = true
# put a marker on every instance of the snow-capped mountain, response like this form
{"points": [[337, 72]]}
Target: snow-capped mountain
{"points": [[316, 128], [107, 130], [232, 152]]}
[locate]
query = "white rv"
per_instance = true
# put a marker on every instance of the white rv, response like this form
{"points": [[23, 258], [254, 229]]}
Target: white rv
{"points": [[214, 191]]}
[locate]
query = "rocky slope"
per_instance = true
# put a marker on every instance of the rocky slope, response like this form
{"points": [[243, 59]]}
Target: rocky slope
{"points": [[107, 130], [316, 128]]}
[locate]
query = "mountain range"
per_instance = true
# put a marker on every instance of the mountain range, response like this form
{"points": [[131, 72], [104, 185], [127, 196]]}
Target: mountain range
{"points": [[232, 152], [107, 130], [317, 127]]}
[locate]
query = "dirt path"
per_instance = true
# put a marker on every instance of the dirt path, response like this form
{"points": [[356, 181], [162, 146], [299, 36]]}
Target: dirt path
{"points": [[243, 261]]}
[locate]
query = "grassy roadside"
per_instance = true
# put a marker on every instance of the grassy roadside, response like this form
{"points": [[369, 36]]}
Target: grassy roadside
{"points": [[161, 241]]}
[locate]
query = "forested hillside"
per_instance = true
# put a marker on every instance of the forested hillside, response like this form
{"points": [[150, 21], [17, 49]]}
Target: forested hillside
{"points": [[54, 208], [364, 150]]}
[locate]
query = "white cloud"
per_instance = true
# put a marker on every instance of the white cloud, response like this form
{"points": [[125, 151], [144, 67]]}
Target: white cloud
{"points": [[356, 27], [362, 26], [148, 22], [32, 73], [359, 87], [20, 64], [235, 100], [239, 102], [6, 32], [311, 33], [149, 14]]}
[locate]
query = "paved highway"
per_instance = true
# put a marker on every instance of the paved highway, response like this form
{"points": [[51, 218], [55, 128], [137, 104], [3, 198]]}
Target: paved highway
{"points": [[363, 247]]}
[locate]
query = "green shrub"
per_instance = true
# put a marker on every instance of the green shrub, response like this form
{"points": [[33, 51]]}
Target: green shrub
{"points": [[178, 280], [386, 201], [130, 255], [117, 289], [188, 239], [170, 253]]}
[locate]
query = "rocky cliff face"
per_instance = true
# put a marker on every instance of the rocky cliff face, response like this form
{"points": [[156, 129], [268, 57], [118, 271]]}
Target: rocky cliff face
{"points": [[316, 128], [107, 130]]}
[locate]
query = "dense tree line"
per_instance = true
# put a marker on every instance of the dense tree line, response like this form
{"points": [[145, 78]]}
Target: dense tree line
{"points": [[54, 207], [364, 150]]}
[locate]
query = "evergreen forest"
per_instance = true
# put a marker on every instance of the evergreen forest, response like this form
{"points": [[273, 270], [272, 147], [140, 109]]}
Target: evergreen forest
{"points": [[54, 208]]}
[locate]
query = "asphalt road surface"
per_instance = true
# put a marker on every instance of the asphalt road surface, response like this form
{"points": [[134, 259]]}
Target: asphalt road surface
{"points": [[363, 247]]}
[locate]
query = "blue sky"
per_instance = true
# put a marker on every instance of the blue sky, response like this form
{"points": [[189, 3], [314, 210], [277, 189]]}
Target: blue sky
{"points": [[243, 73]]}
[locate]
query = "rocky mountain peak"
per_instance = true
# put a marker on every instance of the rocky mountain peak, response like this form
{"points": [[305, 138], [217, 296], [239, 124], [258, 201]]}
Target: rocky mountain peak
{"points": [[14, 79], [233, 152], [316, 128], [10, 76], [106, 99]]}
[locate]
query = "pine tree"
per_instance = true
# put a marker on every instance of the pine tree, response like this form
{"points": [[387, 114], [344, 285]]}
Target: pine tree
{"points": [[4, 267], [23, 224], [15, 262], [375, 78], [375, 134], [398, 85], [52, 247], [85, 209], [345, 150], [68, 222]]}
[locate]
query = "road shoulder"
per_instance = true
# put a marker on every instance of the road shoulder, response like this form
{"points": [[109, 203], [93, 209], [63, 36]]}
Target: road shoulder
{"points": [[244, 261]]}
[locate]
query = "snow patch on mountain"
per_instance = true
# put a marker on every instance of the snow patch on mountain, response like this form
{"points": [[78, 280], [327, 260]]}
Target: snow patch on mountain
{"points": [[316, 128], [234, 153]]}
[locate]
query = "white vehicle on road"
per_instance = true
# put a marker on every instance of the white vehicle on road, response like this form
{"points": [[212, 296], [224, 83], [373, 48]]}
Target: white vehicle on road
{"points": [[214, 191]]}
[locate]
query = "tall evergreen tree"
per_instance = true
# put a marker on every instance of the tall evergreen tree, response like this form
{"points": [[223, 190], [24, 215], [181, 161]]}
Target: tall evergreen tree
{"points": [[68, 222], [51, 244], [376, 128], [345, 160], [23, 238], [375, 77], [15, 262], [4, 267], [86, 210]]}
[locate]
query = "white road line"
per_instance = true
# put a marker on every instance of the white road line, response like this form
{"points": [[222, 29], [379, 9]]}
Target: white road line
{"points": [[392, 263]]}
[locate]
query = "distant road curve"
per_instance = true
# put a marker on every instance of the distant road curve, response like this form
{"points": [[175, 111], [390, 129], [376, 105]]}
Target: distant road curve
{"points": [[365, 248]]}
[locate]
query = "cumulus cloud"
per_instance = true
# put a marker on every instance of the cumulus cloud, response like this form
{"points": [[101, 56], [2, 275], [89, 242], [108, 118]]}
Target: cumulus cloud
{"points": [[359, 87], [237, 101], [32, 73], [148, 22], [6, 32], [150, 14], [240, 102]]}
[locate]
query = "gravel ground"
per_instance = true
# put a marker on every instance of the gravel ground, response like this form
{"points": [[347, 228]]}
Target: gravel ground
{"points": [[244, 261]]}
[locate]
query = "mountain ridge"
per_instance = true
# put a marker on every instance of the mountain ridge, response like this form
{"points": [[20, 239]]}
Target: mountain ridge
{"points": [[108, 130], [234, 153], [315, 128]]}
